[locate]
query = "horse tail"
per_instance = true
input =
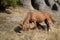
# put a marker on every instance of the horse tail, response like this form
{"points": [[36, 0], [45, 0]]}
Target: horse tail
{"points": [[52, 20]]}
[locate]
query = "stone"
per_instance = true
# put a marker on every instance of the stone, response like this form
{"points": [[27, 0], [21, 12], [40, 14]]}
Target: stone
{"points": [[26, 4]]}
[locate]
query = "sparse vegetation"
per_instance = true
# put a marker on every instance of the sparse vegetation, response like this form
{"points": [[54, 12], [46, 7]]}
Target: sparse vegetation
{"points": [[13, 20], [7, 3]]}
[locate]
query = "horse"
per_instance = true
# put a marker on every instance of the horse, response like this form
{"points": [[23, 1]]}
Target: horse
{"points": [[37, 17]]}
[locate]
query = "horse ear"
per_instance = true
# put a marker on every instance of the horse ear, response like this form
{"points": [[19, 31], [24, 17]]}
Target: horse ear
{"points": [[20, 24]]}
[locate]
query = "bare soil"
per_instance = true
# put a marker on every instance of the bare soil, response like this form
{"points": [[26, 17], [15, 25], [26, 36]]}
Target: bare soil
{"points": [[10, 23]]}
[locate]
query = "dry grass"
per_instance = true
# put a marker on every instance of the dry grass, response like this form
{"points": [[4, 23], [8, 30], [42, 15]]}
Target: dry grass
{"points": [[10, 21]]}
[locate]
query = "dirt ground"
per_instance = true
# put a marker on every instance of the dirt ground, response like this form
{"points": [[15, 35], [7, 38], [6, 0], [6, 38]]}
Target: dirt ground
{"points": [[9, 26]]}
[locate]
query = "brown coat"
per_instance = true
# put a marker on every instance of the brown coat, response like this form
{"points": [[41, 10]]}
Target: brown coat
{"points": [[37, 17]]}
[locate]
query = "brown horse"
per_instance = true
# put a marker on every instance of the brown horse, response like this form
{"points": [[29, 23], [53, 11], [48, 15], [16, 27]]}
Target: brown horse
{"points": [[37, 17]]}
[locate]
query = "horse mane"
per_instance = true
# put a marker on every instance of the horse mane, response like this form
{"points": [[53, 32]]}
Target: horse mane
{"points": [[27, 18]]}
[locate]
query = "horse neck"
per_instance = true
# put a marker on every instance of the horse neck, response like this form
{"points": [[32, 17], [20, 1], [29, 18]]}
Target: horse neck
{"points": [[26, 19]]}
